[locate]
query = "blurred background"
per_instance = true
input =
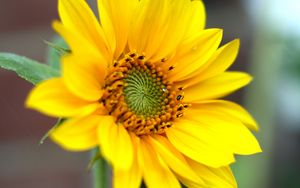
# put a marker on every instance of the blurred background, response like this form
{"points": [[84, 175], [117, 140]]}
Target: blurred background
{"points": [[270, 51]]}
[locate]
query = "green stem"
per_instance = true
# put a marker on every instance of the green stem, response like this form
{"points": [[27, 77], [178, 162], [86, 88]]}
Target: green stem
{"points": [[101, 172]]}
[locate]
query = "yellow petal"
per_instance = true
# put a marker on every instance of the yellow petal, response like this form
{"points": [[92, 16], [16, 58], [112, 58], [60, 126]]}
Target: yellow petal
{"points": [[150, 19], [156, 173], [153, 33], [194, 53], [79, 18], [54, 99], [190, 184], [115, 143], [218, 63], [190, 138], [229, 109], [78, 134], [78, 44], [105, 14], [132, 178], [214, 177], [228, 133], [216, 87], [197, 20], [84, 76], [115, 19], [178, 20], [173, 158]]}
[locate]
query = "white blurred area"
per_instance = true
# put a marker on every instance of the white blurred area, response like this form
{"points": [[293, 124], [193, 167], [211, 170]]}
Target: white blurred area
{"points": [[285, 16], [282, 15], [281, 18], [274, 95]]}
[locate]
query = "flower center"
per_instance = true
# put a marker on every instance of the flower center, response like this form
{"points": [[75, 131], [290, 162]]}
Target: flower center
{"points": [[139, 96], [144, 92]]}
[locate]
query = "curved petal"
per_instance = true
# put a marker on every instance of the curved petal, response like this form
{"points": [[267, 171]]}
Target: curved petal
{"points": [[116, 145], [78, 17], [173, 158], [156, 173], [79, 45], [194, 53], [197, 19], [84, 76], [190, 138], [132, 178], [79, 134], [228, 133], [179, 16], [150, 19], [54, 99], [216, 87], [218, 63], [156, 20], [214, 177], [229, 109], [115, 19]]}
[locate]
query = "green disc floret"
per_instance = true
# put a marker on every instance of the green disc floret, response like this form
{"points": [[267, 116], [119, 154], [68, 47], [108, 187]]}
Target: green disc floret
{"points": [[144, 93]]}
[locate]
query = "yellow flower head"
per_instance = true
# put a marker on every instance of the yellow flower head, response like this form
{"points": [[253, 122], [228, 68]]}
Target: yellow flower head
{"points": [[143, 84]]}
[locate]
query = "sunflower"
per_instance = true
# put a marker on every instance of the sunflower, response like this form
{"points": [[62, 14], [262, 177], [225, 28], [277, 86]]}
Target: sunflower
{"points": [[143, 84]]}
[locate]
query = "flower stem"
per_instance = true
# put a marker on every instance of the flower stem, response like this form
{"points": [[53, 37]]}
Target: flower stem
{"points": [[101, 172]]}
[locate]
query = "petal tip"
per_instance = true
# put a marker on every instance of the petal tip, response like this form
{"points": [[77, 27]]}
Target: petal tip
{"points": [[249, 77], [30, 100], [236, 43]]}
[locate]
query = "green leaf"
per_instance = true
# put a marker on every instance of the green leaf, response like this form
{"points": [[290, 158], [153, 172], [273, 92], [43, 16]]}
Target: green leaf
{"points": [[57, 48], [101, 171], [28, 69], [96, 156], [45, 137]]}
